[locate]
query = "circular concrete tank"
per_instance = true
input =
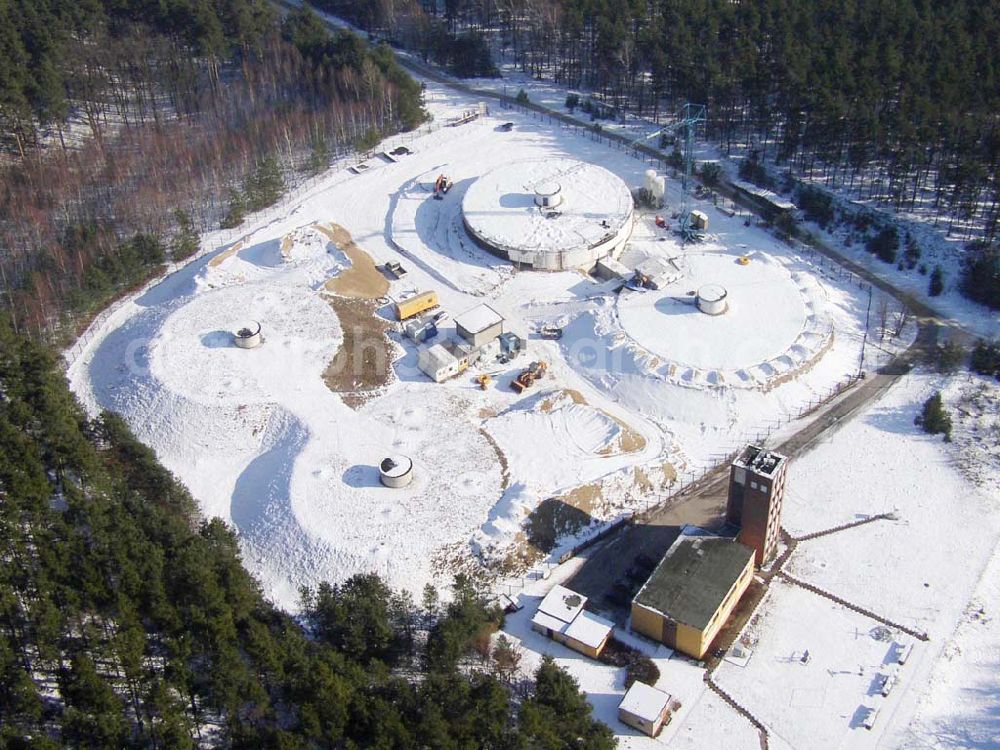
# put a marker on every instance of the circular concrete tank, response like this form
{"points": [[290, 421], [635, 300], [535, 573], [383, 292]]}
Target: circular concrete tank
{"points": [[248, 337], [395, 471], [549, 214], [712, 299]]}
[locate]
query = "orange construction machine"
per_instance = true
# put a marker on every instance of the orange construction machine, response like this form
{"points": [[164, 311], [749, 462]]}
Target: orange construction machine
{"points": [[535, 371], [441, 186]]}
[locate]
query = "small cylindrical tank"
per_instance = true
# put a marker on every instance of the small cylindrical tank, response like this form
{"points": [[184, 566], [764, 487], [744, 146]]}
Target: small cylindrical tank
{"points": [[248, 337], [548, 195], [396, 471], [713, 299]]}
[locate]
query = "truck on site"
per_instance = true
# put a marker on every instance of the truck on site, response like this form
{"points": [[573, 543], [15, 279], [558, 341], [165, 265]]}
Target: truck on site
{"points": [[412, 306], [534, 371], [395, 269]]}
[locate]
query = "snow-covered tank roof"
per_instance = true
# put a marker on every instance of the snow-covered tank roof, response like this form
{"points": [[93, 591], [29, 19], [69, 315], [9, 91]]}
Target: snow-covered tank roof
{"points": [[252, 328], [395, 466], [712, 293], [500, 209]]}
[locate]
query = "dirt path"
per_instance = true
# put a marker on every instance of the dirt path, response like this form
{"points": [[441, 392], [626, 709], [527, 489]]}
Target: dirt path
{"points": [[222, 257], [362, 280], [362, 365]]}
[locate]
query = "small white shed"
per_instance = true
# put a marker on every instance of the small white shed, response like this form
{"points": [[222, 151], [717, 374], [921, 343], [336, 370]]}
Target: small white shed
{"points": [[645, 708]]}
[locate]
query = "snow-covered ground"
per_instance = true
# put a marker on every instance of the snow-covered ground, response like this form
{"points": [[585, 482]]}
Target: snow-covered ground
{"points": [[640, 383], [264, 444], [928, 568]]}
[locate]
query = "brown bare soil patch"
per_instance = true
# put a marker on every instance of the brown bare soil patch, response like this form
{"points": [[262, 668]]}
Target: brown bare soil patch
{"points": [[286, 247], [362, 280], [222, 257], [549, 403], [658, 479], [504, 468], [629, 441], [362, 365]]}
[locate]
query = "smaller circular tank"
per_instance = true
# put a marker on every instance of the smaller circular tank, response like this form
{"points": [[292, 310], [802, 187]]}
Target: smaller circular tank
{"points": [[712, 299], [395, 471], [249, 336], [548, 195]]}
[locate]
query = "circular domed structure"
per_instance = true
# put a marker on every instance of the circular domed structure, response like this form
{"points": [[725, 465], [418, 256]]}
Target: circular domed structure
{"points": [[712, 299], [395, 471], [550, 214]]}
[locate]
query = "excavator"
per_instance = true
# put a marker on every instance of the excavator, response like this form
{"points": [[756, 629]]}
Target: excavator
{"points": [[535, 371]]}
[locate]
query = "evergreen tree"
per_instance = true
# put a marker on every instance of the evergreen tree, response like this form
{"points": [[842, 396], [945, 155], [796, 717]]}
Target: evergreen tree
{"points": [[937, 282], [934, 419], [985, 358], [186, 241]]}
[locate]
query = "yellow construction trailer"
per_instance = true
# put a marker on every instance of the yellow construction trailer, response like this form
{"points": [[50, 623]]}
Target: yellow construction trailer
{"points": [[418, 303]]}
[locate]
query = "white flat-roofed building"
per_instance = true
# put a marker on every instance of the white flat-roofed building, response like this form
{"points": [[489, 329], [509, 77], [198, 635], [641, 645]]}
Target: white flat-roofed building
{"points": [[445, 360], [562, 618], [644, 708], [658, 272], [480, 325]]}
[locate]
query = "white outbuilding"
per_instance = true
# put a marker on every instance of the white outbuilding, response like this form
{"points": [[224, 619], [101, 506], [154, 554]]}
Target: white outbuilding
{"points": [[480, 325], [645, 708]]}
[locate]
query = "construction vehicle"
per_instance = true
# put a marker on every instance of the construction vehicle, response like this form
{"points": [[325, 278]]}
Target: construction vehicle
{"points": [[441, 186], [396, 269], [483, 381], [413, 306], [535, 371]]}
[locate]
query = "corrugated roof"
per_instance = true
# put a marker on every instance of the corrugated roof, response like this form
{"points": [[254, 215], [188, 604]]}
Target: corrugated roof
{"points": [[693, 578]]}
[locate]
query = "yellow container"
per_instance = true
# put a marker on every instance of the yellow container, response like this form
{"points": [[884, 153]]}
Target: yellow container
{"points": [[411, 306]]}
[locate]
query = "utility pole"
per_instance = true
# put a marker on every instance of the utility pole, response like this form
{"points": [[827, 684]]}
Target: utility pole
{"points": [[864, 340]]}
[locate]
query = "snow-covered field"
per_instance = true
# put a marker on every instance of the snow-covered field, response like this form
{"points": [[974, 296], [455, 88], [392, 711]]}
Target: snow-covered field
{"points": [[641, 386], [264, 444], [925, 569]]}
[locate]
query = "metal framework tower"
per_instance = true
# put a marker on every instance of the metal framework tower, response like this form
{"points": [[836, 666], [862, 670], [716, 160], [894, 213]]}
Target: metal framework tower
{"points": [[686, 120]]}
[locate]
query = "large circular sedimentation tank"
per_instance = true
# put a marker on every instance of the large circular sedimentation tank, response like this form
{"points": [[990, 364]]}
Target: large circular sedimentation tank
{"points": [[550, 214]]}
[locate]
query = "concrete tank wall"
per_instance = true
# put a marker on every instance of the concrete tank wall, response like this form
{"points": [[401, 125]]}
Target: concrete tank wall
{"points": [[396, 471], [254, 339]]}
